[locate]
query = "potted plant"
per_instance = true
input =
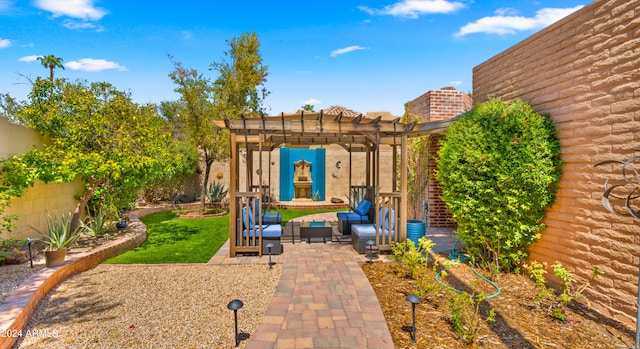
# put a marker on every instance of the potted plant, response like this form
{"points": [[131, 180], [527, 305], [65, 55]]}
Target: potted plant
{"points": [[58, 237]]}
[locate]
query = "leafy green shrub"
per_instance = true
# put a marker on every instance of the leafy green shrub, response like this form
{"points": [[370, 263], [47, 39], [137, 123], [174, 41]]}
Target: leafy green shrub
{"points": [[8, 248], [569, 292], [499, 168], [413, 262], [412, 258], [537, 272], [465, 314]]}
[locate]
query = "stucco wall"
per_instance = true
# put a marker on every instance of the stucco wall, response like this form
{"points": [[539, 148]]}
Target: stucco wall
{"points": [[41, 199], [584, 71]]}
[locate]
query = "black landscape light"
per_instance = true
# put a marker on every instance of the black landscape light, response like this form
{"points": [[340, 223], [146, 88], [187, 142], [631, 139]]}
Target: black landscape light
{"points": [[370, 243], [235, 305], [29, 242], [413, 299], [270, 245]]}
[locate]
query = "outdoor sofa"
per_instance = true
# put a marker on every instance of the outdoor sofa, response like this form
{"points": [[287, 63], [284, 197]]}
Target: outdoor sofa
{"points": [[361, 233], [359, 216], [270, 232]]}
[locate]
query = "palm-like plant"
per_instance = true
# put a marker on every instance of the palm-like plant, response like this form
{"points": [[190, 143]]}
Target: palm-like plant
{"points": [[51, 62]]}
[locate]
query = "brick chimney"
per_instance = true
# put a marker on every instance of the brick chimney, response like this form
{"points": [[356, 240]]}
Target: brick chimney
{"points": [[442, 104], [436, 105]]}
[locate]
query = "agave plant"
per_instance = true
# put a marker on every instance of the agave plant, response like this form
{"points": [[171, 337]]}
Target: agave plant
{"points": [[216, 192], [96, 224], [59, 233]]}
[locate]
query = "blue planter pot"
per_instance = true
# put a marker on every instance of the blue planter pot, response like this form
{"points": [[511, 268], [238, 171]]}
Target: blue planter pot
{"points": [[415, 230]]}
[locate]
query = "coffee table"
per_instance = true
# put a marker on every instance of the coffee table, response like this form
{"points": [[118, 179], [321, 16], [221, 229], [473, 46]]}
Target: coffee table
{"points": [[315, 229]]}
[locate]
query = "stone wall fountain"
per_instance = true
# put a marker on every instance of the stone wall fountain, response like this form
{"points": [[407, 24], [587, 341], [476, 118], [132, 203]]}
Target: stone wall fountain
{"points": [[302, 180]]}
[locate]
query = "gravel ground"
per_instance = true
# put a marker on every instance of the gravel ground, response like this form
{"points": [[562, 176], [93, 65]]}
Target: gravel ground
{"points": [[14, 275], [153, 306]]}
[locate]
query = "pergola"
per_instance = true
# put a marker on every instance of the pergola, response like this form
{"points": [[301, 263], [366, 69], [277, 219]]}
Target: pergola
{"points": [[354, 134]]}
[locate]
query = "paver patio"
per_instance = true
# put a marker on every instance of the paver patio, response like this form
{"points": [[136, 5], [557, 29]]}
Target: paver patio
{"points": [[324, 299]]}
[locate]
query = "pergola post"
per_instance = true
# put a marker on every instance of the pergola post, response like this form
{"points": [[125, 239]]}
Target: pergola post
{"points": [[233, 189], [394, 162], [249, 167], [269, 180], [404, 162]]}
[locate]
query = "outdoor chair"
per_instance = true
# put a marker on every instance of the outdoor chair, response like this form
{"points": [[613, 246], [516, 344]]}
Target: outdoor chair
{"points": [[270, 232], [359, 215], [268, 218], [361, 233]]}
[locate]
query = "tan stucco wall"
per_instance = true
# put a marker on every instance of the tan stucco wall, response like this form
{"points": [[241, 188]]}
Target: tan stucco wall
{"points": [[584, 71], [16, 139], [41, 199]]}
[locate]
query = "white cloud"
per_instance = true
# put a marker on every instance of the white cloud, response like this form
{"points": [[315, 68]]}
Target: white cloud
{"points": [[28, 58], [91, 64], [187, 35], [312, 101], [342, 51], [5, 5], [415, 8], [507, 11], [506, 23], [455, 83], [80, 9], [71, 24], [4, 43]]}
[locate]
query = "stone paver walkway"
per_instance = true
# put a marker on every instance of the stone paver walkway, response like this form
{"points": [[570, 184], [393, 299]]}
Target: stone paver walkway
{"points": [[323, 300]]}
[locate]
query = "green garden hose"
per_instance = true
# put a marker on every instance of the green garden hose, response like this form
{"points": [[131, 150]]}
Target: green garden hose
{"points": [[462, 258]]}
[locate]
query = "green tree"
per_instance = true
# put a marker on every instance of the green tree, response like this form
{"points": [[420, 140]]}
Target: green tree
{"points": [[239, 90], [240, 87], [196, 109], [499, 168], [308, 107], [52, 62], [96, 133]]}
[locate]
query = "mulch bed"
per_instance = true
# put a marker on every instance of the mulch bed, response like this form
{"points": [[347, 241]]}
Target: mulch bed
{"points": [[520, 321]]}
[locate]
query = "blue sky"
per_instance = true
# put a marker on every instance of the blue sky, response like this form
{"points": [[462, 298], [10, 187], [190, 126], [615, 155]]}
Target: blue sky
{"points": [[367, 55]]}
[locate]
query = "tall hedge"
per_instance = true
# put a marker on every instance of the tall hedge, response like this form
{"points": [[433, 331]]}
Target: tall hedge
{"points": [[499, 167]]}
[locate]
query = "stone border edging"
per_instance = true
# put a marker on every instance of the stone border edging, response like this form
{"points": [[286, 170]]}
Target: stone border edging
{"points": [[19, 306]]}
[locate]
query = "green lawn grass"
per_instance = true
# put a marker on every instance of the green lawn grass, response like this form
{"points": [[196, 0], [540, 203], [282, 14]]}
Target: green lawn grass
{"points": [[171, 239], [288, 215]]}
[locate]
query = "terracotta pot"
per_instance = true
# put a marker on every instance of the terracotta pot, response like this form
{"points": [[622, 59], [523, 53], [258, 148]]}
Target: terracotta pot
{"points": [[54, 258]]}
